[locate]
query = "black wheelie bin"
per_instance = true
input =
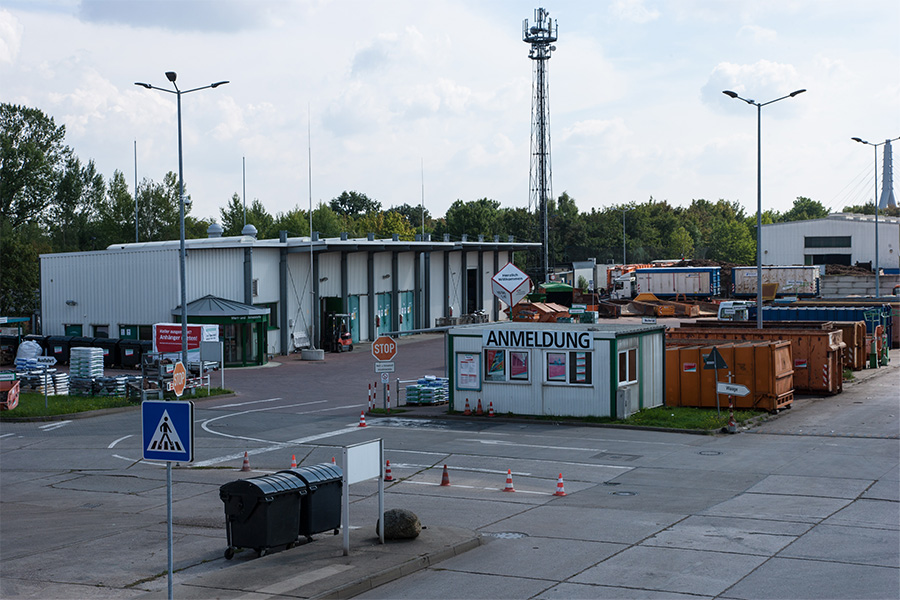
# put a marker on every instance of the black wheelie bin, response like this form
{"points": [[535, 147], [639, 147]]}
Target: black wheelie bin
{"points": [[320, 509], [262, 512]]}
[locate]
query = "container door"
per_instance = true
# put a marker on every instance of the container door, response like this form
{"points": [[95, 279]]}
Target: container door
{"points": [[354, 317], [74, 330], [406, 311]]}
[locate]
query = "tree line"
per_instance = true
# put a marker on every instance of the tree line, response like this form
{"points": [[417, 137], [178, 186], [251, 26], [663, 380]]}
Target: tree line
{"points": [[53, 201]]}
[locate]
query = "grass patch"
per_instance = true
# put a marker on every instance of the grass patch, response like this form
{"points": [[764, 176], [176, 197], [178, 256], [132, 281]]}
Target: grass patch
{"points": [[677, 417], [848, 375], [31, 404]]}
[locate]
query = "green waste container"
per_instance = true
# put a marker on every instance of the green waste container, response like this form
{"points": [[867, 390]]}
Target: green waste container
{"points": [[262, 512], [320, 509]]}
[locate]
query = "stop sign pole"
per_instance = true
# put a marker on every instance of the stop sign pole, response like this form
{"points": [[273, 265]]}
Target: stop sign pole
{"points": [[384, 349]]}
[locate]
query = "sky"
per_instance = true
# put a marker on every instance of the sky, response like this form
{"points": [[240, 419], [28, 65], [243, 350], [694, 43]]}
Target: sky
{"points": [[405, 100]]}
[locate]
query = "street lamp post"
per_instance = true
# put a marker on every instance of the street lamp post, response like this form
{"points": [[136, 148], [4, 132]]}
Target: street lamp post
{"points": [[875, 200], [171, 76], [623, 235], [759, 105]]}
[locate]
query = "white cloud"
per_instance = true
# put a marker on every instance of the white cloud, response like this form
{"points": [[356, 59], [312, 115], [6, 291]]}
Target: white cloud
{"points": [[761, 81], [10, 37], [633, 10], [759, 35]]}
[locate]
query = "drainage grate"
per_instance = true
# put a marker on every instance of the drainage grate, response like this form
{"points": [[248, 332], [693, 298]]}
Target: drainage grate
{"points": [[623, 493], [709, 453]]}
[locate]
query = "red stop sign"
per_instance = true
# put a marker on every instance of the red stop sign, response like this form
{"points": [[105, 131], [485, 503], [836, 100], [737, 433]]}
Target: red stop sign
{"points": [[179, 378], [384, 348]]}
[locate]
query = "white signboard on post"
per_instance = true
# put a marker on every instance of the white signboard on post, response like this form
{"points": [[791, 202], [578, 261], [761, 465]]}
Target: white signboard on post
{"points": [[510, 284], [361, 462]]}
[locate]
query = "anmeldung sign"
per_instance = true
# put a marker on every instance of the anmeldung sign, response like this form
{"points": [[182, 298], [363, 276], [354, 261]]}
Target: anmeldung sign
{"points": [[510, 284], [557, 339]]}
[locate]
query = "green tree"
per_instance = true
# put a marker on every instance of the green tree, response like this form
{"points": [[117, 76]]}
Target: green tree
{"points": [[73, 214], [730, 242], [680, 243], [326, 221], [294, 221], [232, 216], [479, 217], [159, 212], [116, 213], [32, 159], [805, 209], [354, 203], [20, 251], [413, 214]]}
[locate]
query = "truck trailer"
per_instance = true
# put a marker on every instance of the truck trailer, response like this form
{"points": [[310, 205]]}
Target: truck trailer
{"points": [[670, 282], [802, 282]]}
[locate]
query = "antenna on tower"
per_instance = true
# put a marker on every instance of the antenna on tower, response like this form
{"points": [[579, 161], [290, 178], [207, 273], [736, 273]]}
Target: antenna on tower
{"points": [[540, 188]]}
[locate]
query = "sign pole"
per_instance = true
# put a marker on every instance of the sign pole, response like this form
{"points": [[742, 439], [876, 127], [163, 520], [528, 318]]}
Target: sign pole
{"points": [[171, 549], [45, 386], [716, 371]]}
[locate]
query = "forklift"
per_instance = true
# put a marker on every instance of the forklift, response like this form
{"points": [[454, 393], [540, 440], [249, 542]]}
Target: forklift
{"points": [[336, 337]]}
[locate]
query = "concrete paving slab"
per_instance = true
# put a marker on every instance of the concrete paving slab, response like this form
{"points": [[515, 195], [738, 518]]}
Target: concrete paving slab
{"points": [[837, 461], [578, 523], [451, 584], [803, 509], [827, 487], [672, 570], [689, 479], [857, 545], [883, 490], [729, 534], [541, 558], [583, 591], [42, 590], [868, 513], [788, 578], [649, 497]]}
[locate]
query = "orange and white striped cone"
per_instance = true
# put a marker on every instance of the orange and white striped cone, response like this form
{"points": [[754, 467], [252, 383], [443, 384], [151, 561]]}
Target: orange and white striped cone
{"points": [[293, 461], [490, 409], [362, 419], [246, 466], [445, 477], [560, 488], [369, 404], [479, 410], [509, 486], [333, 461], [468, 410], [387, 472]]}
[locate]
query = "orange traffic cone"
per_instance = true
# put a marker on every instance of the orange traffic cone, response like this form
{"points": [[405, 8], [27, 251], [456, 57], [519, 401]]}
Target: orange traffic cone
{"points": [[468, 410], [445, 477], [332, 461], [293, 461], [479, 410], [490, 409], [509, 486], [362, 419], [387, 472], [246, 466], [560, 488]]}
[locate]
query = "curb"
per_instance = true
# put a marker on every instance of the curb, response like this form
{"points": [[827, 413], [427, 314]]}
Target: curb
{"points": [[94, 413], [364, 584]]}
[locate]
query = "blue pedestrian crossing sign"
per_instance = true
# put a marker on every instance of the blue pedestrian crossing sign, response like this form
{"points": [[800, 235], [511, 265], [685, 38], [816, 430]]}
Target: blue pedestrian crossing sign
{"points": [[168, 430]]}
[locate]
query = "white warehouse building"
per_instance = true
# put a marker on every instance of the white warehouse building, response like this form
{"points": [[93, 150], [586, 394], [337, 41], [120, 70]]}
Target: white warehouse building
{"points": [[263, 293], [840, 238]]}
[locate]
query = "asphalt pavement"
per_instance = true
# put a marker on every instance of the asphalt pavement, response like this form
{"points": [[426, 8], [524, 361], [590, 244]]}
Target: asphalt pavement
{"points": [[805, 505]]}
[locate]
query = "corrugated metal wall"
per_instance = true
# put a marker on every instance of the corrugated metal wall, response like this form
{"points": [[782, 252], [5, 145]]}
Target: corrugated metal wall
{"points": [[357, 273], [653, 365], [216, 271], [783, 243], [299, 292], [330, 267], [109, 288], [406, 263], [383, 267]]}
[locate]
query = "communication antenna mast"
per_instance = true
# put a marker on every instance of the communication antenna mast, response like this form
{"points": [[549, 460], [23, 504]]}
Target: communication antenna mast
{"points": [[541, 37]]}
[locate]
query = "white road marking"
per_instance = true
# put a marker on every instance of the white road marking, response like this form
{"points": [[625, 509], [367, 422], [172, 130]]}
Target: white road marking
{"points": [[275, 446], [244, 403], [142, 461], [503, 443], [52, 426], [6, 435], [472, 487], [113, 445]]}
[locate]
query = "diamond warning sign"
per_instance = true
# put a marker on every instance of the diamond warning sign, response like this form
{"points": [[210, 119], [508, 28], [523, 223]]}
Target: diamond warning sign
{"points": [[168, 432]]}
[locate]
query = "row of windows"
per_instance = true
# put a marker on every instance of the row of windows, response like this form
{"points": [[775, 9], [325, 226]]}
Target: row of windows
{"points": [[826, 241], [514, 366]]}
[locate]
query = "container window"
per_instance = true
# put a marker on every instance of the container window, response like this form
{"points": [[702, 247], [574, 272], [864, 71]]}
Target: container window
{"points": [[556, 366], [627, 366], [101, 331], [580, 367], [826, 241], [518, 366], [494, 365]]}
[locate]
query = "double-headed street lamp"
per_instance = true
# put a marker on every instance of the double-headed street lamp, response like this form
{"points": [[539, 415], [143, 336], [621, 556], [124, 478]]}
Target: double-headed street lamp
{"points": [[875, 200], [171, 76], [759, 105]]}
